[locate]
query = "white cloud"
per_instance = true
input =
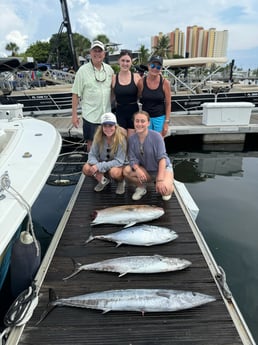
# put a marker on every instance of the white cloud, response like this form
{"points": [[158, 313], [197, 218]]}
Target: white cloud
{"points": [[130, 23], [16, 37]]}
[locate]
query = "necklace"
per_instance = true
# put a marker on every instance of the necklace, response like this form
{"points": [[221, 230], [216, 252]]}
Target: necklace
{"points": [[105, 74]]}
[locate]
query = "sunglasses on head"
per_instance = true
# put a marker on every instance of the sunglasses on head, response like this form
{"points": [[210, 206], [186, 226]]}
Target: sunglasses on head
{"points": [[153, 65]]}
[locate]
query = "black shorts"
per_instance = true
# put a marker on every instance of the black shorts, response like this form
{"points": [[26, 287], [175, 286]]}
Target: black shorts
{"points": [[89, 129], [124, 115]]}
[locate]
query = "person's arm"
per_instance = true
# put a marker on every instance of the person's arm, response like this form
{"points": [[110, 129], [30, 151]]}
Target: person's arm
{"points": [[161, 170], [167, 91], [137, 78], [113, 98], [140, 87], [75, 102]]}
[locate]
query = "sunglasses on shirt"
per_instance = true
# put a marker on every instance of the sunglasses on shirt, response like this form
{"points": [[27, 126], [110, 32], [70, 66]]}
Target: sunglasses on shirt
{"points": [[108, 153], [153, 65]]}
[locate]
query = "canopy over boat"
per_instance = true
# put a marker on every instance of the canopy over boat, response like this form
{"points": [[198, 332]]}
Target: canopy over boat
{"points": [[9, 64], [191, 62]]}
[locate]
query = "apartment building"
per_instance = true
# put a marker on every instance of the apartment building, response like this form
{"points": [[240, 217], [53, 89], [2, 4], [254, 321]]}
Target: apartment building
{"points": [[198, 42]]}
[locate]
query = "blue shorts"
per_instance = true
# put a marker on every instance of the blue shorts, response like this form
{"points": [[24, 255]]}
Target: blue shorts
{"points": [[157, 123], [89, 129]]}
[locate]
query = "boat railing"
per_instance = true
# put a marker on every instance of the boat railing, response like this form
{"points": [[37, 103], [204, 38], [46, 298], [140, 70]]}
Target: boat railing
{"points": [[58, 76], [188, 84]]}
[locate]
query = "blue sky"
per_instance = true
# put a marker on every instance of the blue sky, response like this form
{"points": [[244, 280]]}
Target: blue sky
{"points": [[132, 23]]}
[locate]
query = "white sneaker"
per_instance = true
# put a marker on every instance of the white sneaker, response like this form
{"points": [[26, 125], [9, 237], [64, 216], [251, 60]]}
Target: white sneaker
{"points": [[101, 185], [166, 197], [139, 193], [120, 187]]}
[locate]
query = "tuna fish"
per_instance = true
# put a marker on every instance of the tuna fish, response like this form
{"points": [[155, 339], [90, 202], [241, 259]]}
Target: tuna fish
{"points": [[140, 235], [128, 215], [142, 300], [135, 264]]}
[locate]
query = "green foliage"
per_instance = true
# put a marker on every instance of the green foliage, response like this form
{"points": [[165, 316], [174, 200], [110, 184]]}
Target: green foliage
{"points": [[255, 72], [39, 51], [81, 44], [143, 55], [103, 38], [12, 47], [60, 53], [115, 68], [163, 47]]}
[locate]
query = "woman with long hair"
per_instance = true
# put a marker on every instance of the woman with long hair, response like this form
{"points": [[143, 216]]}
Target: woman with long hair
{"points": [[125, 90], [107, 155]]}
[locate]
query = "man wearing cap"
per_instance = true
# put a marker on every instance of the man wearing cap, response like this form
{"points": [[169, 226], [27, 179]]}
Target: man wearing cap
{"points": [[92, 88], [155, 96]]}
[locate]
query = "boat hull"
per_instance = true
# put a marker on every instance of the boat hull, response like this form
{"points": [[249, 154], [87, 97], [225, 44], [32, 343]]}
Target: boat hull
{"points": [[29, 149]]}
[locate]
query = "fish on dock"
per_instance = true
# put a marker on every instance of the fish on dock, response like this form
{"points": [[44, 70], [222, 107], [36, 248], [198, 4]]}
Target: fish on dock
{"points": [[139, 235], [127, 215], [142, 300], [134, 264]]}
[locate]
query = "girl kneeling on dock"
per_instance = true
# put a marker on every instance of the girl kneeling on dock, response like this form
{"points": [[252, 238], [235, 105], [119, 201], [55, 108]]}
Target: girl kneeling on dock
{"points": [[148, 160], [107, 155]]}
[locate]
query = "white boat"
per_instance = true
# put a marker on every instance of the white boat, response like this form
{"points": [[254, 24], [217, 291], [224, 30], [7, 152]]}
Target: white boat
{"points": [[29, 149]]}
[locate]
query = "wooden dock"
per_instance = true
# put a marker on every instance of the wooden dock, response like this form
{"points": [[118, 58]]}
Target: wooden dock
{"points": [[210, 324], [180, 125]]}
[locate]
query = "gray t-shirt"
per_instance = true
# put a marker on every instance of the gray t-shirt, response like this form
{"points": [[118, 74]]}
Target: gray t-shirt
{"points": [[104, 159]]}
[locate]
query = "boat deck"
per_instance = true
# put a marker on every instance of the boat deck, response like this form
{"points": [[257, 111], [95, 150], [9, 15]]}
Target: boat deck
{"points": [[209, 324]]}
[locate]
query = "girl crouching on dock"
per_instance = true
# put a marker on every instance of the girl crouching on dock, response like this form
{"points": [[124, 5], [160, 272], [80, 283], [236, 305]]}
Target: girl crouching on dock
{"points": [[148, 160], [107, 155]]}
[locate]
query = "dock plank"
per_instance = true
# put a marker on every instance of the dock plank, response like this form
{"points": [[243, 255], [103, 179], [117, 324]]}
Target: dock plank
{"points": [[209, 324]]}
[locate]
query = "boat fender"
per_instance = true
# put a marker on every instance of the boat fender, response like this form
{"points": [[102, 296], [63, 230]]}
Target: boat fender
{"points": [[26, 237], [25, 261]]}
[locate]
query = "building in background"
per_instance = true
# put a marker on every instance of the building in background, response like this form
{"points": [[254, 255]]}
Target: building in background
{"points": [[176, 42], [198, 42]]}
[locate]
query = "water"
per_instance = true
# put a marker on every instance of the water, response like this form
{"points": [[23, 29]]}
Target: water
{"points": [[224, 185], [48, 210]]}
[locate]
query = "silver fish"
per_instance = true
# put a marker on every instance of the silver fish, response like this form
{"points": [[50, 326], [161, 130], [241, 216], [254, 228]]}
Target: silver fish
{"points": [[142, 300], [128, 215], [134, 264], [140, 235]]}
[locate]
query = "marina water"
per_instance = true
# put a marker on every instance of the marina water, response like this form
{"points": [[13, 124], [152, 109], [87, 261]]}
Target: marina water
{"points": [[224, 185]]}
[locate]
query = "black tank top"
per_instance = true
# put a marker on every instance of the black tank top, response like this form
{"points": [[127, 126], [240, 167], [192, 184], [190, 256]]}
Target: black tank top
{"points": [[153, 101], [126, 94]]}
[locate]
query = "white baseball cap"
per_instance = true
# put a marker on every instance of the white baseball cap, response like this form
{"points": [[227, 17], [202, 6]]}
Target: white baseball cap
{"points": [[97, 44], [108, 119]]}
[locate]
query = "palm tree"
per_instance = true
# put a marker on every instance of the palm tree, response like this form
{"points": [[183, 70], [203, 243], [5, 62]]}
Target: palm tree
{"points": [[163, 47], [102, 38], [12, 47], [143, 55]]}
